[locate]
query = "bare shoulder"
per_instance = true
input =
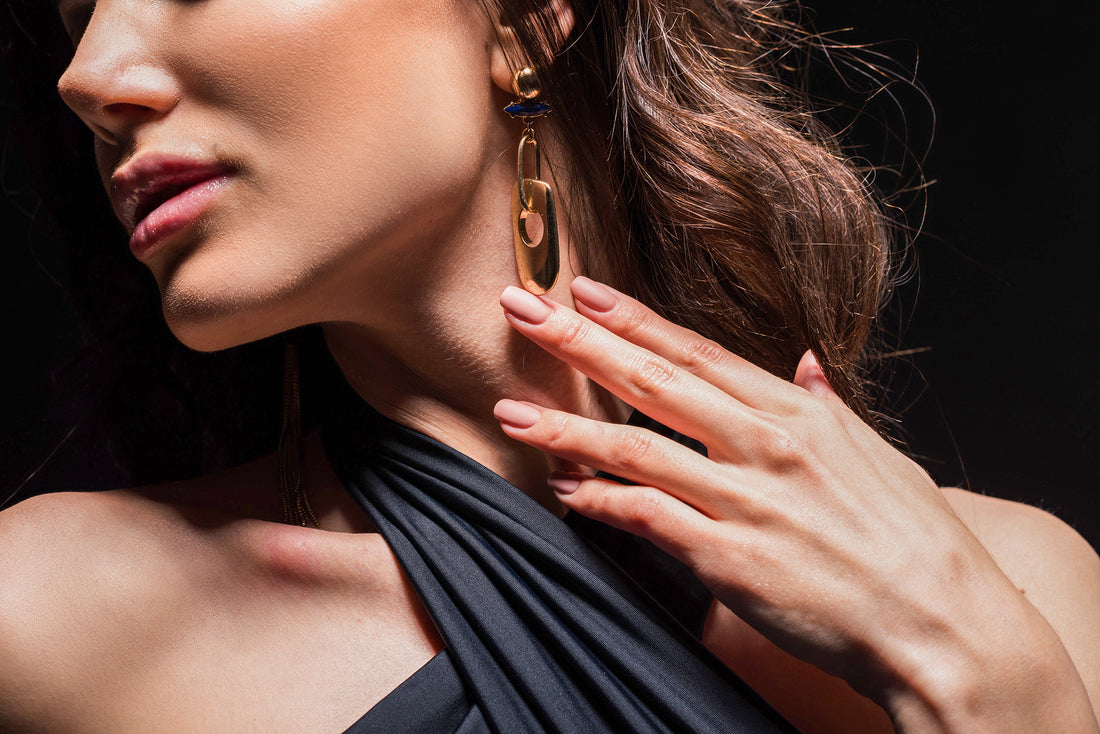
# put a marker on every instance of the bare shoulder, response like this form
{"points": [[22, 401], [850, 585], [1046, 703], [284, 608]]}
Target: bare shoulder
{"points": [[82, 577], [56, 545], [1029, 544], [1050, 563]]}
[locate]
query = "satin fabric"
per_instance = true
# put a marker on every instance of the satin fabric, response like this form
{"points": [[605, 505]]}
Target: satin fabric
{"points": [[542, 631]]}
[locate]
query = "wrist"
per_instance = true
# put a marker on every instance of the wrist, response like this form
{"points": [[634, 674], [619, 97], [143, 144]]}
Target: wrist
{"points": [[1002, 672]]}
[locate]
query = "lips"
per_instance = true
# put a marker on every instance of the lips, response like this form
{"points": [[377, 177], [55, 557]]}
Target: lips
{"points": [[155, 196]]}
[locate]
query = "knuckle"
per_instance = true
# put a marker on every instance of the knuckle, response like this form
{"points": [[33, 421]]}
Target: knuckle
{"points": [[555, 429], [631, 447], [634, 320], [651, 375], [699, 354], [783, 447], [646, 512], [572, 332]]}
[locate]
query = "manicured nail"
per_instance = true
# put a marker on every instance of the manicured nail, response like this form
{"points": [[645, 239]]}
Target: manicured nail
{"points": [[516, 414], [596, 296], [526, 306], [562, 484]]}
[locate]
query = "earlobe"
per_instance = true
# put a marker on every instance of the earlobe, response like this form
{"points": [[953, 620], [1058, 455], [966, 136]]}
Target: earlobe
{"points": [[499, 67], [507, 53]]}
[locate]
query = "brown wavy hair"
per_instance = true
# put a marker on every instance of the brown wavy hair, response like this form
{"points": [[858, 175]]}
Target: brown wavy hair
{"points": [[709, 189]]}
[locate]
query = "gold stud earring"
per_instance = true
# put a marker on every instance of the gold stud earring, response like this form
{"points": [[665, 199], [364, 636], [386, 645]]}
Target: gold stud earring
{"points": [[537, 257]]}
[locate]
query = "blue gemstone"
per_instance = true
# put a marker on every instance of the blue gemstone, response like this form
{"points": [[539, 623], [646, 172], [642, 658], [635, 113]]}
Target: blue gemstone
{"points": [[527, 109]]}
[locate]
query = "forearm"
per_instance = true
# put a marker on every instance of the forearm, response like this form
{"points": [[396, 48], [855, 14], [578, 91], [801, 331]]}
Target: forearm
{"points": [[1010, 676]]}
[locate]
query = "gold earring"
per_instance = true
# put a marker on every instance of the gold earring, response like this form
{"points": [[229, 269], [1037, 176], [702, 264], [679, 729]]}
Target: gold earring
{"points": [[532, 199]]}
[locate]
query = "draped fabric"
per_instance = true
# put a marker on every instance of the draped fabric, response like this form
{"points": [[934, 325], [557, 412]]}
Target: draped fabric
{"points": [[542, 631]]}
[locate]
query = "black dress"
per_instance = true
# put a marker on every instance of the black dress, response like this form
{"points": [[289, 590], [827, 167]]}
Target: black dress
{"points": [[543, 628]]}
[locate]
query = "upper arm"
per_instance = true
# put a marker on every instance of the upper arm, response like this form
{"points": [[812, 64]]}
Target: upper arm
{"points": [[1053, 567]]}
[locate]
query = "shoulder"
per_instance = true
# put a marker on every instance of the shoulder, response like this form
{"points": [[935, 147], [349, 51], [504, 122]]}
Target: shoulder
{"points": [[1029, 544], [82, 577], [1051, 564], [51, 538]]}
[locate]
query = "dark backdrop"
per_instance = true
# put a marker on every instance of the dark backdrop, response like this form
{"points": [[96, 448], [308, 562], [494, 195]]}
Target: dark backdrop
{"points": [[999, 392], [1005, 299]]}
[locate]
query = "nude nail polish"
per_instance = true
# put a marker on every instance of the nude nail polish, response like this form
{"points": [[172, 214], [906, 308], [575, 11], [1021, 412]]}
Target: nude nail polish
{"points": [[516, 414], [524, 305], [595, 296]]}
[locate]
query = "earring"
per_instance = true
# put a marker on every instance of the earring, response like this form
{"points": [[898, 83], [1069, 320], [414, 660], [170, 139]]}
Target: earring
{"points": [[532, 199]]}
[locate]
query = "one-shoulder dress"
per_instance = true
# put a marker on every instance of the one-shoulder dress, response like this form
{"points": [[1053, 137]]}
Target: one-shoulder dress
{"points": [[548, 624]]}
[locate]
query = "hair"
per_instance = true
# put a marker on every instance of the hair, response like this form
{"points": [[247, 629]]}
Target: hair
{"points": [[700, 183], [710, 191]]}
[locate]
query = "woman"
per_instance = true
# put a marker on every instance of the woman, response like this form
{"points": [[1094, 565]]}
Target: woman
{"points": [[349, 164]]}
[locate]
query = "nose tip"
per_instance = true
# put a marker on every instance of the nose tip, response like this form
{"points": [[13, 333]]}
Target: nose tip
{"points": [[115, 89]]}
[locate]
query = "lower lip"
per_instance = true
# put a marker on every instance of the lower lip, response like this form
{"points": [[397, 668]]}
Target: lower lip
{"points": [[174, 216]]}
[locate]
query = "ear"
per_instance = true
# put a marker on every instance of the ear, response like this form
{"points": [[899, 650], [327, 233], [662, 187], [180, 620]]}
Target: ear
{"points": [[508, 55]]}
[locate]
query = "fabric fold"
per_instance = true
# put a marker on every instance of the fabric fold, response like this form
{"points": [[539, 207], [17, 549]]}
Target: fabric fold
{"points": [[544, 631]]}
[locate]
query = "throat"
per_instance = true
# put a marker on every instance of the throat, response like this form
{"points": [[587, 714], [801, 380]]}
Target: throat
{"points": [[450, 397], [483, 441]]}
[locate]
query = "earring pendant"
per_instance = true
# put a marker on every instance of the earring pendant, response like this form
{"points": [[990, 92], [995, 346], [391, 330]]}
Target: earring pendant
{"points": [[537, 261]]}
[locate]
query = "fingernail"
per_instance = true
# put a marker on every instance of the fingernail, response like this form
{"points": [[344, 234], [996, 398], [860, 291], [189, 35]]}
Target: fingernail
{"points": [[526, 306], [516, 414], [563, 485], [596, 296]]}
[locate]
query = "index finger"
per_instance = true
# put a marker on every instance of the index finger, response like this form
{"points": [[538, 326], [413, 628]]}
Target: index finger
{"points": [[702, 357], [648, 381]]}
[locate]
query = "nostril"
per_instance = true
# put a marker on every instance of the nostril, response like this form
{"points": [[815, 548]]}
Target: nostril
{"points": [[128, 109], [104, 134]]}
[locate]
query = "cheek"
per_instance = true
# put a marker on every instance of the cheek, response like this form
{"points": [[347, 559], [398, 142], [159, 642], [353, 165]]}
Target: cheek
{"points": [[360, 106], [378, 83], [356, 121]]}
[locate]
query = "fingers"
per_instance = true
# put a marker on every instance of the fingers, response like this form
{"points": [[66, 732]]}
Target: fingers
{"points": [[630, 452], [700, 356], [650, 382], [664, 520]]}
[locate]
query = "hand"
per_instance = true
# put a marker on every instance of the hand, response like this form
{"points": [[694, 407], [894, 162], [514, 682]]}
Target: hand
{"points": [[801, 519]]}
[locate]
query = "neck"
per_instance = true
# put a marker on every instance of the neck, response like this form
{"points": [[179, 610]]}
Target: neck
{"points": [[444, 379], [450, 399], [429, 347]]}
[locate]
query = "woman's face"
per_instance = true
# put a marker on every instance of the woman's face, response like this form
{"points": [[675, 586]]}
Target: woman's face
{"points": [[315, 143]]}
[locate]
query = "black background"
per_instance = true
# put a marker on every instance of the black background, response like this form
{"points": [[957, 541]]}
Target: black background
{"points": [[1000, 394], [1006, 298]]}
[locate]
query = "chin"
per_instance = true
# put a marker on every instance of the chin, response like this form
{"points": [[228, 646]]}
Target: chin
{"points": [[208, 334], [209, 309], [214, 324]]}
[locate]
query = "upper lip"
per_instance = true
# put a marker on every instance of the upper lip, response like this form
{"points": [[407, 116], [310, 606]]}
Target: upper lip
{"points": [[147, 181]]}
